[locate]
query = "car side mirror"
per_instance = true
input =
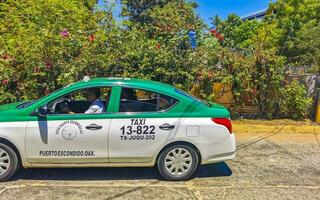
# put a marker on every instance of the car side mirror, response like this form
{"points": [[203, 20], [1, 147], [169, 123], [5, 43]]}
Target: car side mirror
{"points": [[41, 111]]}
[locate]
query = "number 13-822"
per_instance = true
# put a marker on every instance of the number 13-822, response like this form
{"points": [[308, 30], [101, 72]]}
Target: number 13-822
{"points": [[138, 129]]}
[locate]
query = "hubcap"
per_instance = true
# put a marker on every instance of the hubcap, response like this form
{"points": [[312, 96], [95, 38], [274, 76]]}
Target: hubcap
{"points": [[178, 161], [4, 161]]}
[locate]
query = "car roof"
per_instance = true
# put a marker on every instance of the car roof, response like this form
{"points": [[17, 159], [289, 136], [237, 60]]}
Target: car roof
{"points": [[141, 83]]}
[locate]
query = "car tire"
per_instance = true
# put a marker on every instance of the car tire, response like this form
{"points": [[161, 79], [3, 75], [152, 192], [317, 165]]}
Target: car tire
{"points": [[178, 162], [9, 162]]}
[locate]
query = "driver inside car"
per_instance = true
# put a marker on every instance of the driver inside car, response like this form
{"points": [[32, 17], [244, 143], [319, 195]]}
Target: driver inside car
{"points": [[92, 96], [97, 106]]}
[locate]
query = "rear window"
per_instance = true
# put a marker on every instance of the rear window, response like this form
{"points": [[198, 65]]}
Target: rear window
{"points": [[192, 97], [136, 100]]}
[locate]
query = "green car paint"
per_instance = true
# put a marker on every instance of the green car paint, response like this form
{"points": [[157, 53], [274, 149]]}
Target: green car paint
{"points": [[187, 106], [11, 106]]}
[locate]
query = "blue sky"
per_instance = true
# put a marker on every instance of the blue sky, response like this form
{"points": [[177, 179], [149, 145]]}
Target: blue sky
{"points": [[210, 8]]}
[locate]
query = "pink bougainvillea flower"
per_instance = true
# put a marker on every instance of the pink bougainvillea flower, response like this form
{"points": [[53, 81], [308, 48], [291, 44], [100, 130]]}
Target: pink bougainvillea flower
{"points": [[221, 38], [216, 34], [48, 65], [47, 91], [5, 82], [254, 91], [36, 70], [92, 37], [65, 33], [5, 57], [213, 31]]}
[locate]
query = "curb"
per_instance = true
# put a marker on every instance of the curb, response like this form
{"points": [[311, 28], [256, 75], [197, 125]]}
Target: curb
{"points": [[279, 129]]}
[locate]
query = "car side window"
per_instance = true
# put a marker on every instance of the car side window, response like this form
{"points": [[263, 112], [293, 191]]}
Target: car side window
{"points": [[90, 101], [137, 100]]}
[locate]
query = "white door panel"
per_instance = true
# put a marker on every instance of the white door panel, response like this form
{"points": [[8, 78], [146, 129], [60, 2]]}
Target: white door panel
{"points": [[137, 139], [65, 141]]}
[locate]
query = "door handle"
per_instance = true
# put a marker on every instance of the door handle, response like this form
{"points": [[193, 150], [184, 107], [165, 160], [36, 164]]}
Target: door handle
{"points": [[166, 127], [93, 127]]}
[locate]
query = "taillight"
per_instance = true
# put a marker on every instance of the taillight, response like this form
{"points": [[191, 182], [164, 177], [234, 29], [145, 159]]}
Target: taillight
{"points": [[225, 122]]}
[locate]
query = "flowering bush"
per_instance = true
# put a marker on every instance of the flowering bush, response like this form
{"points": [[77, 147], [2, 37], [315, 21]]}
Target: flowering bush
{"points": [[48, 44], [293, 102], [45, 45]]}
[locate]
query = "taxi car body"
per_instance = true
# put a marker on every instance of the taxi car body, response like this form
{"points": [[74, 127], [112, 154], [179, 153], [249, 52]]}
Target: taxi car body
{"points": [[146, 123]]}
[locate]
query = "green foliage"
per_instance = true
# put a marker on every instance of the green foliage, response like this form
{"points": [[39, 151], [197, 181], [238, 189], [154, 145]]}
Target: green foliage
{"points": [[289, 35], [299, 22], [139, 11], [294, 103], [268, 73], [307, 46], [36, 57], [159, 49], [46, 44], [237, 33]]}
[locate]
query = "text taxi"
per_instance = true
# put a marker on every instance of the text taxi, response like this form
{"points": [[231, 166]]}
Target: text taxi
{"points": [[115, 122]]}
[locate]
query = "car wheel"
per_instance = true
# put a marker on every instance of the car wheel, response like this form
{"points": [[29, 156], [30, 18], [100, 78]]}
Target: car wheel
{"points": [[178, 162], [8, 162]]}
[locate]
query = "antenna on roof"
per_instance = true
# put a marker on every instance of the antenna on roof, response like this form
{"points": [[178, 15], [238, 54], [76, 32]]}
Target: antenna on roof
{"points": [[86, 78]]}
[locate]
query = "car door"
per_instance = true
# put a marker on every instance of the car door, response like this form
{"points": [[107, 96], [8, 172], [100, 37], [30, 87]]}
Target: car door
{"points": [[139, 127], [68, 138]]}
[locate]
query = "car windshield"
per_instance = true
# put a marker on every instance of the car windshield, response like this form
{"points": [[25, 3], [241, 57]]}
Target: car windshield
{"points": [[25, 104], [192, 97]]}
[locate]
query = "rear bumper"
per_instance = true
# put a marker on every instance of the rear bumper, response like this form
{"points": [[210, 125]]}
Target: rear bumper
{"points": [[214, 153], [220, 158]]}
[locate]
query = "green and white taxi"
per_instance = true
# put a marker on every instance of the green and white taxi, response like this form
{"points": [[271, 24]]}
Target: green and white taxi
{"points": [[141, 123]]}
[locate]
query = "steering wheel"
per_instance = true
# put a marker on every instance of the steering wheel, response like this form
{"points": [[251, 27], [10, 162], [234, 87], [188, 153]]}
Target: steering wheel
{"points": [[61, 107]]}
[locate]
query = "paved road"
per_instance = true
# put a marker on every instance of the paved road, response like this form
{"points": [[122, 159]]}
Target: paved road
{"points": [[268, 166]]}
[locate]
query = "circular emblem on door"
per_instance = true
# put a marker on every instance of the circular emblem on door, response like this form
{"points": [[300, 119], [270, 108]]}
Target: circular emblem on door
{"points": [[69, 132]]}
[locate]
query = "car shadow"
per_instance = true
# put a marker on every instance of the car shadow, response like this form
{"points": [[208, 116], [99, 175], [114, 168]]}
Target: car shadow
{"points": [[123, 173]]}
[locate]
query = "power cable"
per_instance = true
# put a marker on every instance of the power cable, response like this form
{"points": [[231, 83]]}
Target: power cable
{"points": [[291, 29]]}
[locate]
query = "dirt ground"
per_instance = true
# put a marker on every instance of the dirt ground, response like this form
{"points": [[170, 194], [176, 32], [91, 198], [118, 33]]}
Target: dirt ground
{"points": [[274, 122], [269, 165]]}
